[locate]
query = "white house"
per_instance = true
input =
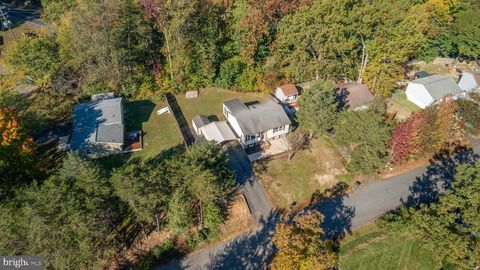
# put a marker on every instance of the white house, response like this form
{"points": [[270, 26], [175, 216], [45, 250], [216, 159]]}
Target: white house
{"points": [[287, 93], [257, 123], [425, 91], [469, 81]]}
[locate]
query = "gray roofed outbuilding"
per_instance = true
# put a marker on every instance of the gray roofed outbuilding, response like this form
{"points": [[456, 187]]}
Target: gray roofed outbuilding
{"points": [[259, 117], [199, 121], [439, 86]]}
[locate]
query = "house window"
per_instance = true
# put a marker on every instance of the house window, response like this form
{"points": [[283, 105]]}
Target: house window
{"points": [[250, 137], [280, 128]]}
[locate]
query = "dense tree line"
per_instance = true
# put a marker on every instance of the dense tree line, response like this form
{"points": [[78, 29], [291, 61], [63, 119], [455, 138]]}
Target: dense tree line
{"points": [[142, 49], [247, 45], [76, 216]]}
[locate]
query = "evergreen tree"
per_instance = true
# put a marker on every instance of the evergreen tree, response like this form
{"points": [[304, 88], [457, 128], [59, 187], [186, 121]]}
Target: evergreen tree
{"points": [[367, 134], [319, 108]]}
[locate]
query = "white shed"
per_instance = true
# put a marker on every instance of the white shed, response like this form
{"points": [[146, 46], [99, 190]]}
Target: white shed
{"points": [[287, 93], [469, 81], [199, 121], [426, 91]]}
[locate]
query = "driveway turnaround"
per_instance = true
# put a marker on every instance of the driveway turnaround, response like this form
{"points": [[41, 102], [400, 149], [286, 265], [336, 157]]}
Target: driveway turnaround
{"points": [[342, 214]]}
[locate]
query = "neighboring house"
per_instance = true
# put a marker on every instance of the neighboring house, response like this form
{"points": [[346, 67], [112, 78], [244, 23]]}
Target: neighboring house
{"points": [[199, 121], [469, 81], [256, 123], [425, 91], [218, 131], [354, 96], [287, 93], [98, 126]]}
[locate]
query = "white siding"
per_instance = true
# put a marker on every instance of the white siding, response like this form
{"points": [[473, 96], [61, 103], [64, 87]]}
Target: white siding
{"points": [[279, 94], [417, 94], [256, 140], [467, 82], [233, 122], [199, 132], [285, 99], [271, 134]]}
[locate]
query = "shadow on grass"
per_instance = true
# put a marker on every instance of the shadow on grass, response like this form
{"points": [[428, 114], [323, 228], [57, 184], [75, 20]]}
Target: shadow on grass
{"points": [[137, 113], [109, 163]]}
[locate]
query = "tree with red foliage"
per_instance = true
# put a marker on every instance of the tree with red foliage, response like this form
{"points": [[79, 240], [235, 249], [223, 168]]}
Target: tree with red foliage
{"points": [[426, 131], [402, 145]]}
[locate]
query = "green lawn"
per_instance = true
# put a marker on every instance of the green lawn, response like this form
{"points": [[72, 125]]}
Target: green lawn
{"points": [[401, 99], [210, 102], [296, 180], [372, 248], [160, 132]]}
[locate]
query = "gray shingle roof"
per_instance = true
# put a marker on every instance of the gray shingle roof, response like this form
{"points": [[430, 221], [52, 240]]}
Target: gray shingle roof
{"points": [[200, 120], [97, 121], [439, 85], [258, 117], [353, 95], [235, 106], [113, 133]]}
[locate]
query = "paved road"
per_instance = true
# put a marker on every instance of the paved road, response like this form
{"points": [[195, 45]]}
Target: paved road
{"points": [[342, 213], [20, 15]]}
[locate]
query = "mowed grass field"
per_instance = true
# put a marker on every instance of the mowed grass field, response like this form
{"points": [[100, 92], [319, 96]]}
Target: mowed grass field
{"points": [[160, 131], [373, 248], [296, 180], [210, 100]]}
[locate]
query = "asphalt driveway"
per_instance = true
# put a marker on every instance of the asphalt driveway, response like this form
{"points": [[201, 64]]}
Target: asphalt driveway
{"points": [[258, 203], [342, 213]]}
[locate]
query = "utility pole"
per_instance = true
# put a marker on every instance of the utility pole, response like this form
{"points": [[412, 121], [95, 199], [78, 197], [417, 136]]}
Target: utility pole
{"points": [[5, 21]]}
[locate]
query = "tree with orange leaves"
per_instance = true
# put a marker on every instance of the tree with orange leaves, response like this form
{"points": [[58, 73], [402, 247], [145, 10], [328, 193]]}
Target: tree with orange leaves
{"points": [[300, 244], [17, 162]]}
